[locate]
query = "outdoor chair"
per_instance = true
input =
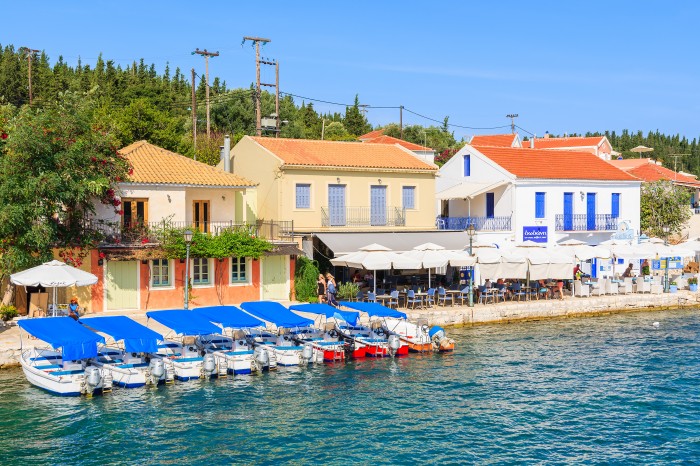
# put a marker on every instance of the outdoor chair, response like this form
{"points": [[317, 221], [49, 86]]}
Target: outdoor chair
{"points": [[381, 291], [598, 288], [412, 300], [444, 298], [581, 290], [611, 287], [643, 286], [518, 292], [626, 286], [394, 300], [656, 288], [360, 296], [499, 293], [430, 299], [483, 295], [542, 292], [464, 295], [371, 297]]}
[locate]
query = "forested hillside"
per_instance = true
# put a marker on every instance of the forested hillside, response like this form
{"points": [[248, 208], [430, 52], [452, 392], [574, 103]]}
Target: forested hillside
{"points": [[141, 103]]}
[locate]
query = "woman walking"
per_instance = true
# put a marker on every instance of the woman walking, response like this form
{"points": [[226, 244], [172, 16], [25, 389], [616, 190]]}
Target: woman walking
{"points": [[331, 289], [321, 288]]}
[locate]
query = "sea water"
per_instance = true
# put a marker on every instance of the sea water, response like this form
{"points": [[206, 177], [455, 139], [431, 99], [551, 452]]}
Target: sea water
{"points": [[611, 389]]}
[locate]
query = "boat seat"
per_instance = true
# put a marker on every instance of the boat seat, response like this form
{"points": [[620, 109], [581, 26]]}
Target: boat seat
{"points": [[168, 345], [110, 353], [129, 366], [238, 353], [110, 361], [77, 371], [288, 348], [188, 359], [46, 358], [48, 366]]}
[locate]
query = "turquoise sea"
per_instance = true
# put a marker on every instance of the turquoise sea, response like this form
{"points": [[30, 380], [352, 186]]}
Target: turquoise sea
{"points": [[601, 390]]}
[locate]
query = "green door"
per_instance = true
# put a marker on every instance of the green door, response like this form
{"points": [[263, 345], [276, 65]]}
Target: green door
{"points": [[121, 285], [275, 282]]}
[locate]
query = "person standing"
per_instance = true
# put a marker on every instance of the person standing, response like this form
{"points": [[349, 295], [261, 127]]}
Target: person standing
{"points": [[331, 290], [321, 288]]}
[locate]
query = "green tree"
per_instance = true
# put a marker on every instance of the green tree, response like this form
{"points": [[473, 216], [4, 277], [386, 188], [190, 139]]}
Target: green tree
{"points": [[335, 131], [142, 120], [662, 204], [355, 122]]}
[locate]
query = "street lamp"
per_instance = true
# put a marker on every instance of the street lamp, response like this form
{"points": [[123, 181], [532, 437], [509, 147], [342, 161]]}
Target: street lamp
{"points": [[470, 231], [666, 231], [188, 239]]}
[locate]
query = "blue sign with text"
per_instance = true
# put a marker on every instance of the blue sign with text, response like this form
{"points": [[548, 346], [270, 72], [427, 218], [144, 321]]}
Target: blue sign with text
{"points": [[536, 234]]}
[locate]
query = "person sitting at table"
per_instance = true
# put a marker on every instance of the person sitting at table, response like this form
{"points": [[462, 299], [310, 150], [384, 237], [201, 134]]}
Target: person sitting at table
{"points": [[488, 284], [628, 271], [577, 272], [357, 278], [74, 308]]}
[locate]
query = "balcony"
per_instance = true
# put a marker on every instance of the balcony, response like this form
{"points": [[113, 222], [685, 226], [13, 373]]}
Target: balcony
{"points": [[584, 222], [363, 217], [152, 232], [480, 223]]}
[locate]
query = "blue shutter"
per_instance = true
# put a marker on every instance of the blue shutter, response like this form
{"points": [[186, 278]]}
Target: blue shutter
{"points": [[303, 196], [615, 208], [568, 211], [590, 211], [336, 204], [377, 215], [408, 195], [467, 165], [539, 205], [489, 205]]}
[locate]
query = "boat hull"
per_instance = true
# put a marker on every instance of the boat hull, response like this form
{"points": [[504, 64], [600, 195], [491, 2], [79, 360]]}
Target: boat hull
{"points": [[238, 362], [54, 379]]}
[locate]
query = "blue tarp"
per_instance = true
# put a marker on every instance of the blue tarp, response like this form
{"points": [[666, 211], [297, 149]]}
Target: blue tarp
{"points": [[184, 322], [76, 342], [279, 315], [137, 338], [374, 309], [329, 311], [229, 317]]}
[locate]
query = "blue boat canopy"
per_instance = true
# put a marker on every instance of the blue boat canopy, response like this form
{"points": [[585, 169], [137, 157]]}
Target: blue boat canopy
{"points": [[329, 311], [229, 317], [137, 338], [184, 322], [76, 342], [275, 313], [374, 309]]}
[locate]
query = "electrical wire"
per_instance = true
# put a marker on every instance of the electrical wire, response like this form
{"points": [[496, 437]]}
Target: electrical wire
{"points": [[528, 132], [453, 124]]}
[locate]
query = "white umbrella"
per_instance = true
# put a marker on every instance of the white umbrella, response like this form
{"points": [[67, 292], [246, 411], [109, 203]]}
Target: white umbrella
{"points": [[640, 149], [375, 257], [54, 274], [496, 263], [431, 255], [582, 250]]}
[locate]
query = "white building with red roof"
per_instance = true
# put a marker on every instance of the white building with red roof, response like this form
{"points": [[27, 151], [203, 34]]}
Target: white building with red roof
{"points": [[596, 145], [517, 194]]}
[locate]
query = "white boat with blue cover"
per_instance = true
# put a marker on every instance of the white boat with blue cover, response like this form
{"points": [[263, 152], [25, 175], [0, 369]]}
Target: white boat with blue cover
{"points": [[183, 351], [236, 351], [285, 350], [129, 356], [328, 344], [64, 368], [381, 343]]}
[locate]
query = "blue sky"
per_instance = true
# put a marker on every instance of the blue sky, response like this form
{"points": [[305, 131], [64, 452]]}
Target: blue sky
{"points": [[562, 66]]}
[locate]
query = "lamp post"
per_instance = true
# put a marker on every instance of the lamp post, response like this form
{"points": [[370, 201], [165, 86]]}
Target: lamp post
{"points": [[470, 231], [666, 231], [188, 239]]}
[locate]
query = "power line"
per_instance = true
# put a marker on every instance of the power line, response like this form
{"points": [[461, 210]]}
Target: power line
{"points": [[523, 129], [453, 124]]}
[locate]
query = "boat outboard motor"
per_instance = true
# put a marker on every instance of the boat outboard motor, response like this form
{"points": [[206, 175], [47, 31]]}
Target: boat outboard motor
{"points": [[93, 377], [261, 357], [307, 353], [436, 334], [209, 364], [394, 344], [157, 368]]}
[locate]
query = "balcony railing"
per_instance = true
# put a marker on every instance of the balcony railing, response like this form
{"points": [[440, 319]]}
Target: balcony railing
{"points": [[584, 222], [480, 223], [152, 232], [363, 217]]}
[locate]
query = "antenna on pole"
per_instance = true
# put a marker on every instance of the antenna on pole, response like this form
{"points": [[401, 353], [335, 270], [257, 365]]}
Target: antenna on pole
{"points": [[675, 164], [206, 56], [30, 53], [257, 41], [512, 117]]}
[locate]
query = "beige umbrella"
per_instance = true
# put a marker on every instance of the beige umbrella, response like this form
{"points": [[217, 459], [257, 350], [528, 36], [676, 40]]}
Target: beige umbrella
{"points": [[640, 149]]}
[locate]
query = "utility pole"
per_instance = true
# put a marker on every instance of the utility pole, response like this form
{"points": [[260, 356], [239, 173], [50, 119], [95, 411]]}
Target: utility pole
{"points": [[276, 64], [257, 41], [512, 117], [277, 97], [30, 53], [401, 121], [194, 117], [206, 56], [675, 164]]}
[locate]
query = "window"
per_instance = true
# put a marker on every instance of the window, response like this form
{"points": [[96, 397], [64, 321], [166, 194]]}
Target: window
{"points": [[467, 165], [490, 201], [615, 208], [409, 197], [201, 216], [377, 205], [160, 272], [200, 271], [135, 212], [239, 270], [539, 205], [303, 196]]}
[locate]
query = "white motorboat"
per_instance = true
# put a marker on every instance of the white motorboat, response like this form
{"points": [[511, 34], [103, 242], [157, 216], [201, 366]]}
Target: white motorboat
{"points": [[63, 369]]}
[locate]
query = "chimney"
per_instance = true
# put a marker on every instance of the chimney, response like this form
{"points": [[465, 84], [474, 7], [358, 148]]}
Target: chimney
{"points": [[532, 141], [546, 134], [227, 154]]}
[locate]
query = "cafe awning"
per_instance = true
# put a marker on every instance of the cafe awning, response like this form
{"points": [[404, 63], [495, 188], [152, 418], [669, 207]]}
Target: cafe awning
{"points": [[469, 190], [347, 242]]}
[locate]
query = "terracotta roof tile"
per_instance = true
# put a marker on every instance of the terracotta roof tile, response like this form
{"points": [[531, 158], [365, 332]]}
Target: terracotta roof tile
{"points": [[651, 172], [561, 165], [309, 152], [498, 140], [391, 140], [153, 164], [628, 164], [552, 143], [372, 134]]}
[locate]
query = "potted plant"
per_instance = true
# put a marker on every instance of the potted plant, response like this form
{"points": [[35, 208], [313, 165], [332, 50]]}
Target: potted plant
{"points": [[347, 291], [673, 287], [693, 284], [8, 313]]}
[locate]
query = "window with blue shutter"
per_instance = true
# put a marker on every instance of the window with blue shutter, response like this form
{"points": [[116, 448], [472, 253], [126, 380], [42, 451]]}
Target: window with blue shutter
{"points": [[303, 196], [539, 205], [615, 208], [467, 165], [409, 197], [490, 203]]}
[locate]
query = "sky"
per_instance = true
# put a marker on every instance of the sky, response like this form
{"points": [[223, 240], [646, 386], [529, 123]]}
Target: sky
{"points": [[562, 66]]}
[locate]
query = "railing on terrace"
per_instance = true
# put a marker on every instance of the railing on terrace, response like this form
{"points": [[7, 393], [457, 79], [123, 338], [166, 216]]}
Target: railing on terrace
{"points": [[584, 222], [363, 217], [480, 223], [152, 232]]}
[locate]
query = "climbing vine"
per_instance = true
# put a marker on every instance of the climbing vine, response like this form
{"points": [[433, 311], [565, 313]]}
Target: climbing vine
{"points": [[232, 242]]}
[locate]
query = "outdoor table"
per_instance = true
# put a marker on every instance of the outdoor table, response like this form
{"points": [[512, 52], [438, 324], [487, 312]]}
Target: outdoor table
{"points": [[454, 294], [383, 297], [58, 310], [423, 297]]}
